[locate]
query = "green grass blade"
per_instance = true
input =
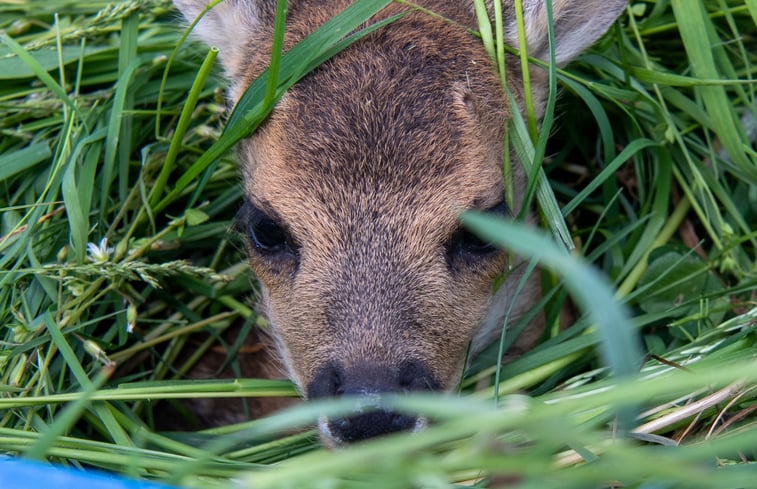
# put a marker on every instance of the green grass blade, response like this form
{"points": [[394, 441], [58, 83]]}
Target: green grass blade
{"points": [[525, 72], [279, 25], [608, 171], [38, 70], [113, 140], [72, 362], [23, 159], [620, 345], [597, 111], [126, 53], [182, 126], [68, 416], [524, 147], [485, 27], [752, 6], [698, 39]]}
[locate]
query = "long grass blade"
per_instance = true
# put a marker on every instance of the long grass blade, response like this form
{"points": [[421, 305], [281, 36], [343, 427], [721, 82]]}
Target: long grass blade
{"points": [[698, 39]]}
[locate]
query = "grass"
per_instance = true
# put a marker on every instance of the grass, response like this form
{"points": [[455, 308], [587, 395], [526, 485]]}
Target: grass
{"points": [[116, 263]]}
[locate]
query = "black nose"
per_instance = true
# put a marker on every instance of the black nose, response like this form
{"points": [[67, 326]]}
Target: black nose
{"points": [[369, 381], [369, 425]]}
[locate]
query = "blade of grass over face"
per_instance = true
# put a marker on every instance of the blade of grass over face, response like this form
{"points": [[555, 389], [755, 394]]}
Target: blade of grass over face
{"points": [[462, 419], [251, 109], [620, 345], [276, 53], [525, 71], [485, 27]]}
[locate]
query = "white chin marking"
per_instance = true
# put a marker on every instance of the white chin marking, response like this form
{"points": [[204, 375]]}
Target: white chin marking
{"points": [[420, 424], [327, 437]]}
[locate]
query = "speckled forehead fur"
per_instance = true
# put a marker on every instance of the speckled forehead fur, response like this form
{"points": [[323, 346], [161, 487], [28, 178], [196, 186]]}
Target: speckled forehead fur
{"points": [[368, 160], [398, 121], [399, 111]]}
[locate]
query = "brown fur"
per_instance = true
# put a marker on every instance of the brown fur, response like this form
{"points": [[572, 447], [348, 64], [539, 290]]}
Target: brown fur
{"points": [[367, 162]]}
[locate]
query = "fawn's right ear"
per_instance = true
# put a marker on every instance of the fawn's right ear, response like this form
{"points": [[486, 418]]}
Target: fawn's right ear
{"points": [[577, 25], [229, 25]]}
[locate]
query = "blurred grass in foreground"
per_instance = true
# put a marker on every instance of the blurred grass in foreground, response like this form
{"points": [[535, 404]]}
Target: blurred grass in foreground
{"points": [[652, 161]]}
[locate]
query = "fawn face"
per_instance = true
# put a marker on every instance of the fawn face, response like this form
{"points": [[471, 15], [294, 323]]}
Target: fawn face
{"points": [[354, 183]]}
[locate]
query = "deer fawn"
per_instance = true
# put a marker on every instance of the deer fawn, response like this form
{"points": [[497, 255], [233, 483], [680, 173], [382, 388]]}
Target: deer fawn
{"points": [[354, 183]]}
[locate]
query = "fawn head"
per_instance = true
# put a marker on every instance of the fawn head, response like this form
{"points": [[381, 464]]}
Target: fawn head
{"points": [[354, 183]]}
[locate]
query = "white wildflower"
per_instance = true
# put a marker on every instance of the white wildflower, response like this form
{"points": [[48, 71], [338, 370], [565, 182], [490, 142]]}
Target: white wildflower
{"points": [[99, 253]]}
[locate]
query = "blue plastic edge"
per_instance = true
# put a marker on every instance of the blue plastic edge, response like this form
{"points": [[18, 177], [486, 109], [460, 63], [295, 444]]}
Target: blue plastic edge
{"points": [[24, 474]]}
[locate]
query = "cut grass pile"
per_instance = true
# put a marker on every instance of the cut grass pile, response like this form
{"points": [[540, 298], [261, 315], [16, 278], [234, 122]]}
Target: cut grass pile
{"points": [[116, 253]]}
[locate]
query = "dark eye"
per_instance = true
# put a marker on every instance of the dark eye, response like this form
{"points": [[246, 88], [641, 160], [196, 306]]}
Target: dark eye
{"points": [[469, 242], [267, 235], [466, 244], [264, 232]]}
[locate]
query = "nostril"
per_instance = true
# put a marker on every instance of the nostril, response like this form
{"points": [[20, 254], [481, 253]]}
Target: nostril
{"points": [[342, 424], [328, 382], [414, 376], [337, 382], [402, 421], [408, 374]]}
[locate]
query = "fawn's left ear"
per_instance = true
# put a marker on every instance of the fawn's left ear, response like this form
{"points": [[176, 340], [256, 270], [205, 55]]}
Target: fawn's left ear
{"points": [[577, 25], [230, 25]]}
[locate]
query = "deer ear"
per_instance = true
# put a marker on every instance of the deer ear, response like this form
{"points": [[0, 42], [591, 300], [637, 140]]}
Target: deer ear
{"points": [[577, 25], [229, 25]]}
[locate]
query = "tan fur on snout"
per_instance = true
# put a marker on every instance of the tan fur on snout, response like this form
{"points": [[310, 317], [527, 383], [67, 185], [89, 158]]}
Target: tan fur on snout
{"points": [[366, 164]]}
